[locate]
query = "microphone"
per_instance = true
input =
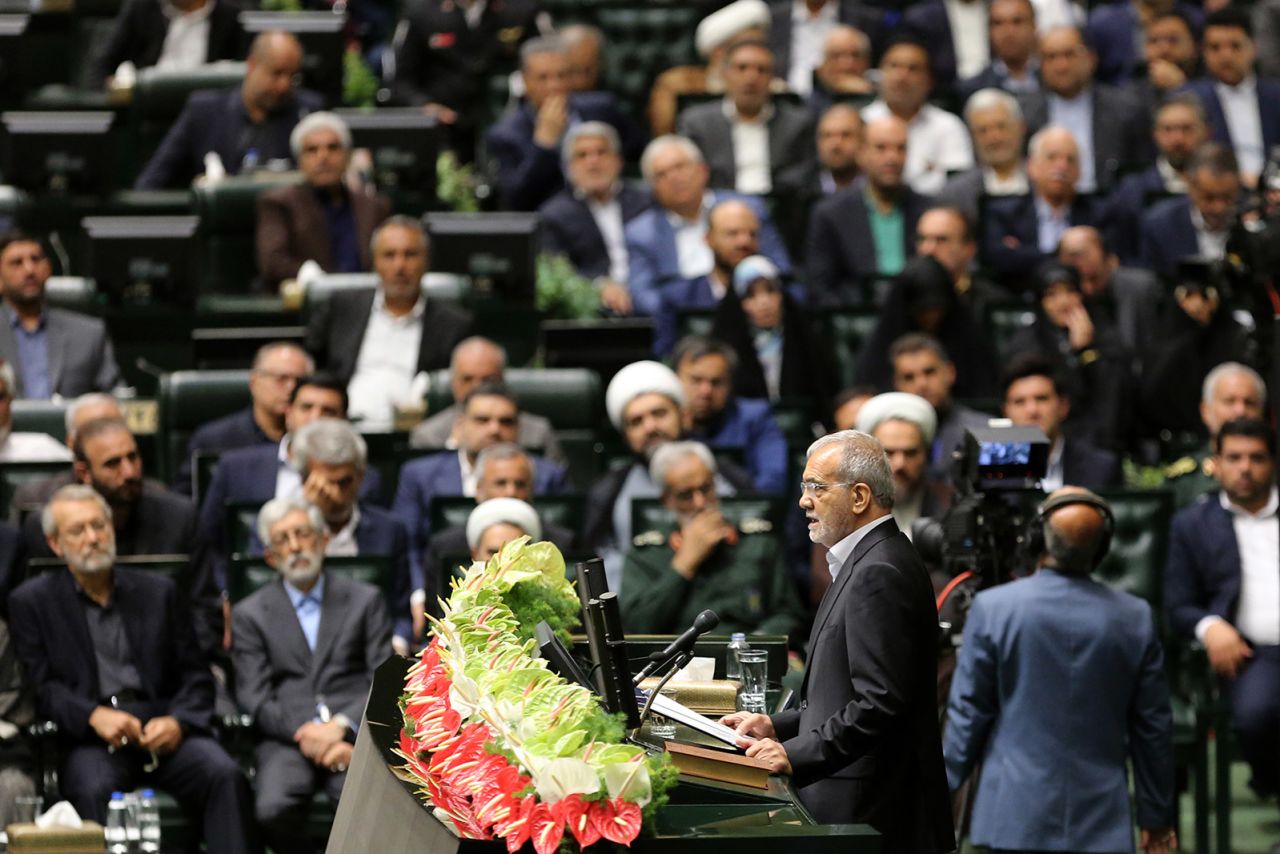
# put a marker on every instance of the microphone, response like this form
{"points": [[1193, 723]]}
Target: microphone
{"points": [[703, 623]]}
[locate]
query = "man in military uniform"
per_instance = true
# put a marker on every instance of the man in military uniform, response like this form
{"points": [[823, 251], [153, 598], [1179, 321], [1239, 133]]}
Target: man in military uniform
{"points": [[1231, 390], [707, 562]]}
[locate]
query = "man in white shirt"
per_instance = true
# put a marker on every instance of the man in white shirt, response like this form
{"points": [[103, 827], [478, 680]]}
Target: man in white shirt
{"points": [[1014, 67], [23, 447], [811, 22], [995, 120], [168, 34], [846, 59], [1222, 586], [937, 143]]}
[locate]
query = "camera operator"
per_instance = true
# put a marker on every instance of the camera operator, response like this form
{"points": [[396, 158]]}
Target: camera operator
{"points": [[1060, 680]]}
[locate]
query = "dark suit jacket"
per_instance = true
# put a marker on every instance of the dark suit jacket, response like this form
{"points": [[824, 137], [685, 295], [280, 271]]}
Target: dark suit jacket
{"points": [[139, 31], [52, 639], [162, 523], [792, 162], [1085, 464], [1119, 216], [292, 229], [215, 120], [842, 253], [237, 430], [13, 564], [278, 677], [988, 78], [867, 18], [452, 542], [1268, 111], [336, 331], [1167, 235], [81, 359], [1111, 33], [864, 745], [528, 174], [930, 23], [1121, 130], [1015, 216], [1202, 570], [567, 228]]}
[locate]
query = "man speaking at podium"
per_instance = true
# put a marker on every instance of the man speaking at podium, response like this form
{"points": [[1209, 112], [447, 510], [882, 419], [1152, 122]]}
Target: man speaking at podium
{"points": [[864, 745]]}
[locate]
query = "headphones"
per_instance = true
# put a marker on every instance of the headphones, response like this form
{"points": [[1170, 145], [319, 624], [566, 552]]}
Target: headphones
{"points": [[1035, 530]]}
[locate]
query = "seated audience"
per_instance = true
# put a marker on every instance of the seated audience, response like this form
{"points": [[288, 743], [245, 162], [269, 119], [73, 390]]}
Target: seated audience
{"points": [[34, 494], [707, 561], [1015, 64], [525, 143], [1222, 558], [644, 402], [1034, 397], [277, 367], [802, 35], [1126, 298], [305, 649], [244, 128], [322, 220], [1202, 223], [922, 367], [1172, 56], [52, 351], [953, 35], [847, 405], [715, 416], [752, 143], [23, 447], [477, 360], [377, 341], [584, 47], [995, 121], [854, 234], [1119, 33], [16, 699], [171, 35], [945, 234], [585, 221], [666, 244], [846, 63], [496, 522], [144, 689], [839, 137], [937, 143], [904, 425]]}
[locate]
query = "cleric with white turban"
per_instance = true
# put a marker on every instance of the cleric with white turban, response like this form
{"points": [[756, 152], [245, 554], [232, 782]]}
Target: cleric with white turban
{"points": [[497, 511], [899, 406], [722, 25], [639, 378], [891, 418]]}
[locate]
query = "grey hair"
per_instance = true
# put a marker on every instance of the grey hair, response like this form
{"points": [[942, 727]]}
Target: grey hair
{"points": [[985, 99], [320, 120], [277, 508], [576, 33], [73, 410], [671, 453], [864, 41], [1037, 139], [8, 378], [539, 45], [1075, 558], [70, 492], [652, 150], [330, 442], [1226, 368], [400, 221], [862, 460], [476, 341], [603, 130], [502, 451]]}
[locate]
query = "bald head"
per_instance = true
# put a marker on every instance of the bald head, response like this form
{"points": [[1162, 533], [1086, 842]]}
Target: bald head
{"points": [[1073, 534], [733, 233], [883, 154], [1053, 165], [475, 360], [271, 72]]}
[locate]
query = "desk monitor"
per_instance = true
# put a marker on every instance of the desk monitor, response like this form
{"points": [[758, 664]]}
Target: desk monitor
{"points": [[497, 250], [404, 144], [559, 658], [139, 260], [58, 152], [320, 34]]}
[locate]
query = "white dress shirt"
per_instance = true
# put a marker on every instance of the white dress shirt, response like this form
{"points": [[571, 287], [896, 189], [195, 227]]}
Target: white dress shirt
{"points": [[608, 217], [937, 143], [1053, 473], [343, 543], [33, 448], [1076, 115], [750, 149], [1258, 540], [1173, 182], [968, 19], [469, 479], [693, 255], [840, 552], [1244, 123], [387, 363], [808, 32], [288, 479], [186, 43], [1015, 185], [1209, 244]]}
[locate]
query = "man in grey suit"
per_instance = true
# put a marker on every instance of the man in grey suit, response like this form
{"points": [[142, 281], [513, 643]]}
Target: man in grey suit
{"points": [[753, 143], [864, 744], [54, 352], [305, 647]]}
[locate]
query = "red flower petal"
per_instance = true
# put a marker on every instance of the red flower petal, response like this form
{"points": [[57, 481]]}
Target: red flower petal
{"points": [[546, 828], [578, 820], [617, 820]]}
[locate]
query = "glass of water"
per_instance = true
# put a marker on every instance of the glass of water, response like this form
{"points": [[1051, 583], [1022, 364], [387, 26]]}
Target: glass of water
{"points": [[661, 727], [754, 664]]}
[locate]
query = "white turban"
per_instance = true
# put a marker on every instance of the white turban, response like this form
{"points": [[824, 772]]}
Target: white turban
{"points": [[512, 511], [639, 378], [899, 406], [722, 25]]}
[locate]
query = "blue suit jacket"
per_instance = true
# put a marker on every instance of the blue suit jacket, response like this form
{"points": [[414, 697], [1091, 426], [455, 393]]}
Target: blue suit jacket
{"points": [[1110, 32], [528, 174], [1015, 216], [655, 264], [1202, 570], [1120, 215], [1060, 680], [421, 480], [749, 424], [1268, 111], [237, 430], [567, 228], [1166, 235]]}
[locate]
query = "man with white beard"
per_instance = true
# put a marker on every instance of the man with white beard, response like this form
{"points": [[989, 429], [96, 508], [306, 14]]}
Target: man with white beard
{"points": [[304, 679]]}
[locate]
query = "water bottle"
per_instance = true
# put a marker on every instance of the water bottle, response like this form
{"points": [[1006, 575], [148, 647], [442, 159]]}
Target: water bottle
{"points": [[117, 833], [732, 669], [132, 828], [149, 822]]}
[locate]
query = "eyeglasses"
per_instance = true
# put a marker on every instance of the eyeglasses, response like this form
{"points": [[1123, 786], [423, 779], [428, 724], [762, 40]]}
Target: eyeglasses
{"points": [[817, 487], [302, 535]]}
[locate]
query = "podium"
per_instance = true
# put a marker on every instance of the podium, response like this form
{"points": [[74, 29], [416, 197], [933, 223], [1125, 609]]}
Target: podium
{"points": [[380, 812]]}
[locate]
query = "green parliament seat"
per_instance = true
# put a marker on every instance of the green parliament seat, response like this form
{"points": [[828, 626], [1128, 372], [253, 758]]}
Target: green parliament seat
{"points": [[160, 95], [188, 399], [695, 321], [848, 330], [796, 417], [40, 416], [644, 40], [563, 510], [1135, 563], [1004, 321], [571, 398], [228, 212], [444, 286], [387, 454], [247, 574], [74, 293], [242, 521], [649, 514], [13, 475]]}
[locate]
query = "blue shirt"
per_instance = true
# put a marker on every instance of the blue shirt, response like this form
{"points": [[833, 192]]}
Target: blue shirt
{"points": [[344, 247], [1076, 115], [306, 606], [33, 356]]}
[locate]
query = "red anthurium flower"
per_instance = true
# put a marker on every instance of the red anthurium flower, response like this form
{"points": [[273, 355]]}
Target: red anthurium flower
{"points": [[546, 828], [577, 817], [618, 820], [515, 828]]}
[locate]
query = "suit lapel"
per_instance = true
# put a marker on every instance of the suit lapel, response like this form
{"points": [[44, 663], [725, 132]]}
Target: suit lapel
{"points": [[332, 611], [312, 229], [138, 625], [55, 335], [280, 612], [71, 620], [351, 332], [362, 213], [9, 349]]}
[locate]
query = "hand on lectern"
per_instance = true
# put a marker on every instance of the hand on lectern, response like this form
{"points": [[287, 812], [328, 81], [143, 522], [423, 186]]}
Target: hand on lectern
{"points": [[771, 753], [751, 724]]}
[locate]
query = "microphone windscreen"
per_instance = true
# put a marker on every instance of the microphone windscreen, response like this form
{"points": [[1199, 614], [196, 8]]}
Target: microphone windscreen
{"points": [[706, 621]]}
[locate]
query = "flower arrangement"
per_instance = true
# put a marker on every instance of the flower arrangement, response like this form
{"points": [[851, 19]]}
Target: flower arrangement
{"points": [[502, 747]]}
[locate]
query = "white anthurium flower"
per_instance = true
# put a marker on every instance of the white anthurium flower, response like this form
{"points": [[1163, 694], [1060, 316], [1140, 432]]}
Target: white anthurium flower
{"points": [[629, 781], [464, 695], [509, 713], [560, 778]]}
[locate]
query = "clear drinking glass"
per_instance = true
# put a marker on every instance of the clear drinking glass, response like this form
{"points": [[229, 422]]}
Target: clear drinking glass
{"points": [[662, 727], [755, 666]]}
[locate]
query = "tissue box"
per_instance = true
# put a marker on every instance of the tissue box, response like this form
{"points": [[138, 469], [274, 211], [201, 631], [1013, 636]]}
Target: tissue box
{"points": [[86, 839], [705, 696]]}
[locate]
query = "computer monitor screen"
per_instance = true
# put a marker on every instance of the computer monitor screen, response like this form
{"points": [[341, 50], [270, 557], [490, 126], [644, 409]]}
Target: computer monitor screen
{"points": [[58, 152], [138, 260], [403, 143], [497, 250], [320, 34]]}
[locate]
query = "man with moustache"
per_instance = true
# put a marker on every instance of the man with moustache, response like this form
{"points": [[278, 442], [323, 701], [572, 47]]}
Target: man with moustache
{"points": [[117, 668], [305, 649]]}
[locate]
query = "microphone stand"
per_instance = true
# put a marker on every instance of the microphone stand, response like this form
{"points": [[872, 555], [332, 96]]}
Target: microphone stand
{"points": [[680, 660]]}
